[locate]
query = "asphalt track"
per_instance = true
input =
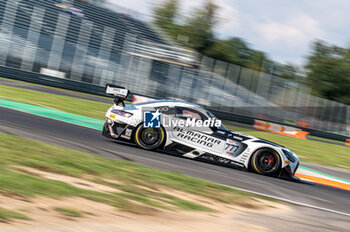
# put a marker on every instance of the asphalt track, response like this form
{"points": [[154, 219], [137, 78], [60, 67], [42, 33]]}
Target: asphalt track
{"points": [[90, 140]]}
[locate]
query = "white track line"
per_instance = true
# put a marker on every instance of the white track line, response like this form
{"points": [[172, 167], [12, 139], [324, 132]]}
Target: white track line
{"points": [[291, 201]]}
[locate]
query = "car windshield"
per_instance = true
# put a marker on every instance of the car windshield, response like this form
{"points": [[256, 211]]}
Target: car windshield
{"points": [[212, 116]]}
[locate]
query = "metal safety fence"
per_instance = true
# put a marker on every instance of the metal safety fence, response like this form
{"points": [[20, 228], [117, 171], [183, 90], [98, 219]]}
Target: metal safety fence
{"points": [[96, 48]]}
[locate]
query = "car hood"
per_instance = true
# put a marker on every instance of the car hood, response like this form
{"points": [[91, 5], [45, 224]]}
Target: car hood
{"points": [[243, 137]]}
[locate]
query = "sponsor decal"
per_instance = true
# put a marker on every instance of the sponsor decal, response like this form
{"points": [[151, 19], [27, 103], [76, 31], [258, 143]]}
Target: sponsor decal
{"points": [[197, 137], [128, 132], [231, 147], [151, 119]]}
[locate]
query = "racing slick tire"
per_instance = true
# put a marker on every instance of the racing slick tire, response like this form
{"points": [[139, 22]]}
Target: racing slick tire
{"points": [[105, 131], [149, 138], [265, 161]]}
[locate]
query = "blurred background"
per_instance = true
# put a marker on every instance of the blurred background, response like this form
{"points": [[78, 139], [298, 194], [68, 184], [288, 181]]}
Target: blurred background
{"points": [[169, 53]]}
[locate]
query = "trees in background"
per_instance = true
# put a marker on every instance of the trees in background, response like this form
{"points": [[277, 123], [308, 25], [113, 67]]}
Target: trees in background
{"points": [[165, 15], [329, 72], [235, 51], [200, 27], [196, 31], [328, 67]]}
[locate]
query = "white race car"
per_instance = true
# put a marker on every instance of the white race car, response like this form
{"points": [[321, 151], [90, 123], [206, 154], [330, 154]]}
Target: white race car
{"points": [[189, 130]]}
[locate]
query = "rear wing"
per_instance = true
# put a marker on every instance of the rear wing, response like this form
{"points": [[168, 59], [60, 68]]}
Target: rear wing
{"points": [[120, 93]]}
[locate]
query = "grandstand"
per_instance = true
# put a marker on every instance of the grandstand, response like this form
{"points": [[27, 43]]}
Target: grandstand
{"points": [[84, 42], [92, 45], [48, 25]]}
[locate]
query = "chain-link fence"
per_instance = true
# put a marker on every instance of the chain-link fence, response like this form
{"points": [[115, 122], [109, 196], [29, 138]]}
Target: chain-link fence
{"points": [[97, 46]]}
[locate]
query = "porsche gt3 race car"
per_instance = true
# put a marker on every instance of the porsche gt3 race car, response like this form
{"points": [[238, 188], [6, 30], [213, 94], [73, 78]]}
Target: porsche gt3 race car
{"points": [[189, 130]]}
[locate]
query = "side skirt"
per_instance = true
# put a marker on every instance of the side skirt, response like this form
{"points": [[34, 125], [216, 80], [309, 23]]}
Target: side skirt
{"points": [[219, 160]]}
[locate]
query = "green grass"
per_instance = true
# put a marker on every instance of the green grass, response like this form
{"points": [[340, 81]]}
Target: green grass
{"points": [[309, 151], [8, 215], [67, 104], [326, 140], [135, 183], [69, 212], [60, 89]]}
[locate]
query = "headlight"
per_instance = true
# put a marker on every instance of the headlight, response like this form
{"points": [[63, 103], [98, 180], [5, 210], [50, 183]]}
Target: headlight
{"points": [[121, 113], [290, 156]]}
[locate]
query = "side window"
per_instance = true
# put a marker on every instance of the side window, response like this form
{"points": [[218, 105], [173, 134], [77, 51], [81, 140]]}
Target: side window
{"points": [[166, 110], [191, 114], [185, 113]]}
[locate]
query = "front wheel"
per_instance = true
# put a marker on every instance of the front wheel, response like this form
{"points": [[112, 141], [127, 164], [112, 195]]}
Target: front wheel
{"points": [[265, 161], [105, 131], [149, 138]]}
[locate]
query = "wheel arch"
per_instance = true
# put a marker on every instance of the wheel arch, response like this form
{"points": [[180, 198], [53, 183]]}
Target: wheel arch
{"points": [[133, 135], [280, 167]]}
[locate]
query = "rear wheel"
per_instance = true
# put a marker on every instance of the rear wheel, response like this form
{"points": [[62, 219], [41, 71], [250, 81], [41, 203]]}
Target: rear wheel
{"points": [[149, 138], [266, 161]]}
